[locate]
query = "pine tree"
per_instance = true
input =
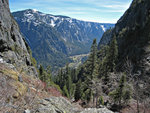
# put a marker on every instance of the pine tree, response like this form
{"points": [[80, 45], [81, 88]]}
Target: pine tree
{"points": [[41, 73], [74, 75], [104, 70], [101, 100], [108, 63], [78, 91], [72, 92], [65, 91], [87, 73], [91, 66], [121, 88], [69, 84], [61, 78], [117, 94], [88, 95], [112, 55], [41, 70], [122, 93], [48, 75], [127, 96]]}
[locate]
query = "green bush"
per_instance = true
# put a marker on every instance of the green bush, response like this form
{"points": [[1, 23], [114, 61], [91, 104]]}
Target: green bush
{"points": [[65, 91], [101, 100], [55, 86]]}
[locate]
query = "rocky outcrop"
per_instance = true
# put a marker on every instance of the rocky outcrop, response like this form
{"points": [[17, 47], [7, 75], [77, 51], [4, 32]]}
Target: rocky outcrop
{"points": [[61, 105], [94, 110], [30, 96], [13, 48], [55, 105]]}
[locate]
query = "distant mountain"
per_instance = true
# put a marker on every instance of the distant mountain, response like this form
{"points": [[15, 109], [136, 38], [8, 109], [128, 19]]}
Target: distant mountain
{"points": [[54, 38]]}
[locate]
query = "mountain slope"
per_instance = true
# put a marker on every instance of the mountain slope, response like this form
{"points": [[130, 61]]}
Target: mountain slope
{"points": [[133, 37], [52, 36], [132, 31]]}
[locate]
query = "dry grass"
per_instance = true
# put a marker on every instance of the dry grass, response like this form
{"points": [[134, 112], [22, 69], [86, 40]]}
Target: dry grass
{"points": [[20, 88], [11, 73]]}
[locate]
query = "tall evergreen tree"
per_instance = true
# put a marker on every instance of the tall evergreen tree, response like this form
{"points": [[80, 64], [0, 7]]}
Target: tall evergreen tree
{"points": [[108, 62], [65, 91], [121, 88], [87, 73], [122, 93], [91, 66], [78, 91], [69, 84], [48, 75], [74, 75], [41, 73], [41, 70], [112, 55], [61, 79]]}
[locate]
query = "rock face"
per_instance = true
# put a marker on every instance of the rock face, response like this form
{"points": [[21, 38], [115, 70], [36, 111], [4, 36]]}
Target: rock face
{"points": [[94, 110], [54, 38], [13, 48], [55, 105], [61, 105]]}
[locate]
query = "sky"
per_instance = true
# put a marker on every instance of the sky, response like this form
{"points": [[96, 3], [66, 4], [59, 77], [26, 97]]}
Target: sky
{"points": [[102, 11]]}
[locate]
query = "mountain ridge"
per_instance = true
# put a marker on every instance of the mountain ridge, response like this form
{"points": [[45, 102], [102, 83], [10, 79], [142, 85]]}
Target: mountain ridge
{"points": [[43, 13], [74, 36]]}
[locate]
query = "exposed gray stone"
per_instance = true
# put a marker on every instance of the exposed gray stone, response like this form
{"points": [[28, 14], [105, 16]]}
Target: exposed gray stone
{"points": [[94, 110], [27, 111], [62, 105], [13, 49], [20, 78]]}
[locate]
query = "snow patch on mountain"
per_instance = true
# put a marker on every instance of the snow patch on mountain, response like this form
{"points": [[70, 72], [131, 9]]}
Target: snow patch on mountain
{"points": [[34, 10], [42, 14], [102, 26], [52, 23], [28, 17], [55, 18], [36, 23]]}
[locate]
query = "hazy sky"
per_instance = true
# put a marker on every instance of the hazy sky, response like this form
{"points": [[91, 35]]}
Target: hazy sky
{"points": [[104, 11]]}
